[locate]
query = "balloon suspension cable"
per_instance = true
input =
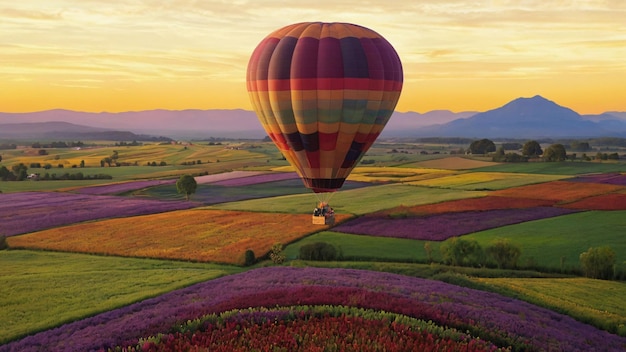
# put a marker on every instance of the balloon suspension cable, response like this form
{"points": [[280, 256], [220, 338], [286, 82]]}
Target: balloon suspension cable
{"points": [[324, 197]]}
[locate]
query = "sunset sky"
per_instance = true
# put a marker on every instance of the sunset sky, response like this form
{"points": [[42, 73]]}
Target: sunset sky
{"points": [[109, 55]]}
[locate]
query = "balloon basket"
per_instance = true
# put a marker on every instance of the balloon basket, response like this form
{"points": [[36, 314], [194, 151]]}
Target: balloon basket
{"points": [[323, 220]]}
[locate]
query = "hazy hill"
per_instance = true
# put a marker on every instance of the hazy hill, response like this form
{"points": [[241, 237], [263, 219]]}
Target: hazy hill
{"points": [[57, 130], [534, 117], [177, 124]]}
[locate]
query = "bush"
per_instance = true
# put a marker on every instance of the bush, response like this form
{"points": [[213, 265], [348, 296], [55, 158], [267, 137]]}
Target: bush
{"points": [[276, 254], [598, 263], [504, 254], [249, 258], [457, 251], [318, 251], [3, 242]]}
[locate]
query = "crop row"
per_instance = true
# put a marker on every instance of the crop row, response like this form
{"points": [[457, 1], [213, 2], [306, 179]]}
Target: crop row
{"points": [[312, 328], [440, 227], [491, 317], [198, 235], [33, 211]]}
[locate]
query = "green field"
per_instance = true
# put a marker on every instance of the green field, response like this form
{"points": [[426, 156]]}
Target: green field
{"points": [[561, 168], [41, 290], [544, 242], [357, 201]]}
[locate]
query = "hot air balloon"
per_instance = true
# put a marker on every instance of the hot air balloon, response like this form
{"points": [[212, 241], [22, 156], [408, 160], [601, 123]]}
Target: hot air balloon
{"points": [[323, 93]]}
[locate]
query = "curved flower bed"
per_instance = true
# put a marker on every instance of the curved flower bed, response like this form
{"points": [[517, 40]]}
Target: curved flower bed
{"points": [[33, 211], [501, 320], [312, 328], [122, 187], [440, 227]]}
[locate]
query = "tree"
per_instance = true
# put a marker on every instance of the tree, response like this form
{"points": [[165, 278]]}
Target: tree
{"points": [[531, 149], [555, 152], [186, 185], [598, 263], [504, 253], [457, 251], [482, 146], [0, 158]]}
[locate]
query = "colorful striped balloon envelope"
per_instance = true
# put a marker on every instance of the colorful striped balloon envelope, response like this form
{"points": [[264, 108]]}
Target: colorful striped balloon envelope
{"points": [[323, 93]]}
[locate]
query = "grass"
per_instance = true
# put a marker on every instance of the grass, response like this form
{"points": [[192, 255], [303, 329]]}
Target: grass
{"points": [[356, 201], [365, 248], [545, 242], [598, 302], [557, 168], [41, 290]]}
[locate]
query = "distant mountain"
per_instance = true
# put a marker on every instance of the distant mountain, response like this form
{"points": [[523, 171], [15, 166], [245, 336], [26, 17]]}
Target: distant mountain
{"points": [[179, 124], [534, 117], [403, 124], [62, 131]]}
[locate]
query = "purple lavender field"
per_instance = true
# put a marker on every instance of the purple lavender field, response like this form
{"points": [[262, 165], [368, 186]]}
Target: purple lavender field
{"points": [[484, 314], [33, 211], [608, 178], [122, 187], [256, 179], [440, 227]]}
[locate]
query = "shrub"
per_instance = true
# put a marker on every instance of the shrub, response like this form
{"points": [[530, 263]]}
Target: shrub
{"points": [[3, 242], [249, 257], [276, 254], [504, 254], [598, 263], [457, 251], [318, 251]]}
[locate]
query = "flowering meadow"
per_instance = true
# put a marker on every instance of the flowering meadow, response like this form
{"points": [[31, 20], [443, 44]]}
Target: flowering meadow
{"points": [[198, 235], [486, 180], [467, 204], [559, 191], [312, 328], [440, 227], [493, 318], [610, 201], [117, 188], [613, 178], [33, 211], [256, 179]]}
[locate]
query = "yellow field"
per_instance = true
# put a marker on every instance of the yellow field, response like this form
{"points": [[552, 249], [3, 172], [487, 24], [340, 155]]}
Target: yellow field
{"points": [[601, 299], [197, 235], [395, 174], [454, 163], [486, 180]]}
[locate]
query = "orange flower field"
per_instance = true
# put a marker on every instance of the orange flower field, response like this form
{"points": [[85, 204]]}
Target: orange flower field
{"points": [[468, 204], [198, 235], [559, 191], [611, 201]]}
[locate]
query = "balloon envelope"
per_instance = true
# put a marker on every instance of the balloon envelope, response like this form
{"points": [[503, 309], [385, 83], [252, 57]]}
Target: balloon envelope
{"points": [[323, 93]]}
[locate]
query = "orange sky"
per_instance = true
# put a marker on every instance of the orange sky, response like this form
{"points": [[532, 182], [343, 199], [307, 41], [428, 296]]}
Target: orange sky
{"points": [[96, 55]]}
